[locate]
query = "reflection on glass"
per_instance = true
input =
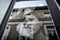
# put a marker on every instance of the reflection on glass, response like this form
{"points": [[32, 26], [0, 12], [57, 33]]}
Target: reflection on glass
{"points": [[29, 28], [28, 23]]}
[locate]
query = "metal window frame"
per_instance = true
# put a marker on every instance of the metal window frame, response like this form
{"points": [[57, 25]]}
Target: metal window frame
{"points": [[55, 12]]}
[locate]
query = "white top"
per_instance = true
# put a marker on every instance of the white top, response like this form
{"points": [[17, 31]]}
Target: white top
{"points": [[22, 31]]}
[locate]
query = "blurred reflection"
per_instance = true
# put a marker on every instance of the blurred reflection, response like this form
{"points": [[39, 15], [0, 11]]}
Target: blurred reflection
{"points": [[29, 24], [28, 28]]}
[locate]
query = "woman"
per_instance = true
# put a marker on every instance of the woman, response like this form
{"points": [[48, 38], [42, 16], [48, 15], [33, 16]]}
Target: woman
{"points": [[30, 27]]}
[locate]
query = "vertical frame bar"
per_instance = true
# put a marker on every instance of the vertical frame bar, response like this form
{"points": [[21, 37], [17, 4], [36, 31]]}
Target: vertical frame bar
{"points": [[55, 12], [6, 17]]}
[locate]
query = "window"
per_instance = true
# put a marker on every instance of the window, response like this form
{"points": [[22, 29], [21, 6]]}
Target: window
{"points": [[46, 12], [50, 26], [15, 10]]}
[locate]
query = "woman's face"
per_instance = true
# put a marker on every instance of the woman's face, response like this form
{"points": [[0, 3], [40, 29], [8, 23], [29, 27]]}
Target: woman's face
{"points": [[32, 28]]}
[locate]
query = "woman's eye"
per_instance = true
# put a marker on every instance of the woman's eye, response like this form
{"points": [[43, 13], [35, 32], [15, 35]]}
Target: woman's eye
{"points": [[31, 19], [30, 27], [26, 26]]}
